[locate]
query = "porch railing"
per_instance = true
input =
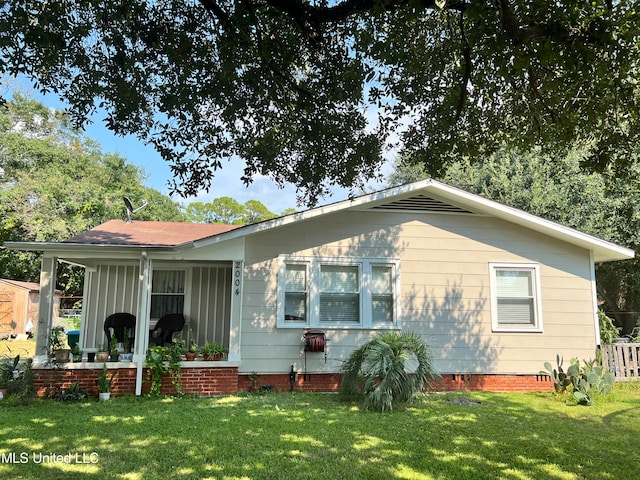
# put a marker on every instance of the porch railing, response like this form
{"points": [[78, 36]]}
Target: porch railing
{"points": [[623, 360]]}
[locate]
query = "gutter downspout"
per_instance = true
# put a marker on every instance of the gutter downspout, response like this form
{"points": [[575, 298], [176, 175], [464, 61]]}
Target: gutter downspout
{"points": [[142, 325]]}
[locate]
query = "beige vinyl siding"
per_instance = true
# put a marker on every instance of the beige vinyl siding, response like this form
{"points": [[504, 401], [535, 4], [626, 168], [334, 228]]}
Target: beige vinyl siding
{"points": [[445, 292]]}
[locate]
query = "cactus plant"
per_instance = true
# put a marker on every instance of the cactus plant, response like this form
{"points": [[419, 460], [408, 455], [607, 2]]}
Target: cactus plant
{"points": [[560, 378]]}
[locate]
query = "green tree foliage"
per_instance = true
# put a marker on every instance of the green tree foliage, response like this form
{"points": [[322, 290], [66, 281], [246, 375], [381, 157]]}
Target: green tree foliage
{"points": [[227, 210], [559, 188], [311, 92], [57, 183], [255, 211], [378, 370]]}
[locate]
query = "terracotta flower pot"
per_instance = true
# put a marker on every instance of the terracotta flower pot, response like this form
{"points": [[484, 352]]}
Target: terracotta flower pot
{"points": [[215, 356], [190, 356]]}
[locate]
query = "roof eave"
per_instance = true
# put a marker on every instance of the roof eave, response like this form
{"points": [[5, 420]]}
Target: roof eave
{"points": [[603, 251], [75, 248]]}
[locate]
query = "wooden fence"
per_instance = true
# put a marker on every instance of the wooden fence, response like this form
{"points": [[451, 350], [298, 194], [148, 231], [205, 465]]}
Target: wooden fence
{"points": [[623, 360]]}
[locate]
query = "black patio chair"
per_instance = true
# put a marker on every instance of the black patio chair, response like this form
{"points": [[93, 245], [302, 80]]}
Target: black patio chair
{"points": [[118, 322], [162, 333]]}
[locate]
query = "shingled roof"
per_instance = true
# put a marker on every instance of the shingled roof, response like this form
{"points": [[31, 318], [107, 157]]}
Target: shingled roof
{"points": [[169, 234]]}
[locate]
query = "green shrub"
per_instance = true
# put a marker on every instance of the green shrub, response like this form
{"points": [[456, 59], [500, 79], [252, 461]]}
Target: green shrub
{"points": [[156, 367], [74, 393], [608, 331], [377, 370]]}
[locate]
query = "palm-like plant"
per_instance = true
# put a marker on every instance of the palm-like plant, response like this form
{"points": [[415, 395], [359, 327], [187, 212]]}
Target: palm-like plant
{"points": [[377, 370]]}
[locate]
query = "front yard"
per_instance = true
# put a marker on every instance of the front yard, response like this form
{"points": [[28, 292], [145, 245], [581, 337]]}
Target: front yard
{"points": [[315, 436]]}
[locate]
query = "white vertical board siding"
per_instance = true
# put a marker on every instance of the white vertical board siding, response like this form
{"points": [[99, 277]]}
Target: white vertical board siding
{"points": [[114, 288], [445, 294], [210, 310]]}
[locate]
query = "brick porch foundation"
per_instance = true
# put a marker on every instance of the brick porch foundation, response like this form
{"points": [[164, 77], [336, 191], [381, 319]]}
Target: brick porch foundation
{"points": [[203, 381], [212, 381]]}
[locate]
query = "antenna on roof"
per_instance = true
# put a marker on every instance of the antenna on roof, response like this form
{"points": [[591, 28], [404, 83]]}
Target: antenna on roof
{"points": [[130, 209]]}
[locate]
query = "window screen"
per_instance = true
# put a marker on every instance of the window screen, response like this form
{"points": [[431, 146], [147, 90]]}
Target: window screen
{"points": [[295, 296], [339, 294], [515, 297]]}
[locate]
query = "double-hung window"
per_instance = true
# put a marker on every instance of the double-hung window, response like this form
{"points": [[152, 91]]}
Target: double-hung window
{"points": [[167, 292], [515, 297], [333, 292], [296, 298], [382, 297], [339, 294]]}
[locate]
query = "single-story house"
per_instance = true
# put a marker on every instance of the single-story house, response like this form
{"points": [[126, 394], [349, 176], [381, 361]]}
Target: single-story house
{"points": [[493, 290]]}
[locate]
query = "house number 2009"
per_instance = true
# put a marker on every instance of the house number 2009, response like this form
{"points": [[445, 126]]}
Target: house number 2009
{"points": [[237, 272]]}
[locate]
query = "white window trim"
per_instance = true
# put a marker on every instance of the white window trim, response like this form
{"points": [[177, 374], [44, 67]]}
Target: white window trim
{"points": [[313, 307], [537, 303], [187, 287]]}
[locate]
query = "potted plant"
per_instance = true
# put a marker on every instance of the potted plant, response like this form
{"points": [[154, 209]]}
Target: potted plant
{"points": [[102, 355], [104, 383], [192, 352], [56, 346], [126, 356], [76, 353], [113, 350], [212, 351]]}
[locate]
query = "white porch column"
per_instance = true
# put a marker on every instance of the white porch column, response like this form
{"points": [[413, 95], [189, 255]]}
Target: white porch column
{"points": [[235, 321], [86, 305], [48, 270], [142, 318]]}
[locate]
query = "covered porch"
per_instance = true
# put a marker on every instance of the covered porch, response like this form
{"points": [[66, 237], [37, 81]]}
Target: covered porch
{"points": [[148, 280]]}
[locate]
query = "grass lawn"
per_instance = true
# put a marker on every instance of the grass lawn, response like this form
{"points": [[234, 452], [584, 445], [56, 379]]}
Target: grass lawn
{"points": [[24, 348], [316, 436]]}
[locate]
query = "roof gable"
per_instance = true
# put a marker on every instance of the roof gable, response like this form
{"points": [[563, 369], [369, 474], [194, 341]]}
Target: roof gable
{"points": [[31, 286], [427, 196], [431, 196]]}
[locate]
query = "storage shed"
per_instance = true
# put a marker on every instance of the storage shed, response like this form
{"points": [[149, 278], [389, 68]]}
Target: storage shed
{"points": [[19, 307]]}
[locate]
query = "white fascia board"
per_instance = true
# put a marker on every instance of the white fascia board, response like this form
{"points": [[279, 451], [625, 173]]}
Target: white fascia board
{"points": [[603, 251], [83, 250], [357, 202]]}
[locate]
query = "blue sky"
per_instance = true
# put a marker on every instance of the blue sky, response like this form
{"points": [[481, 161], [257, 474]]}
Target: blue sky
{"points": [[226, 182]]}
